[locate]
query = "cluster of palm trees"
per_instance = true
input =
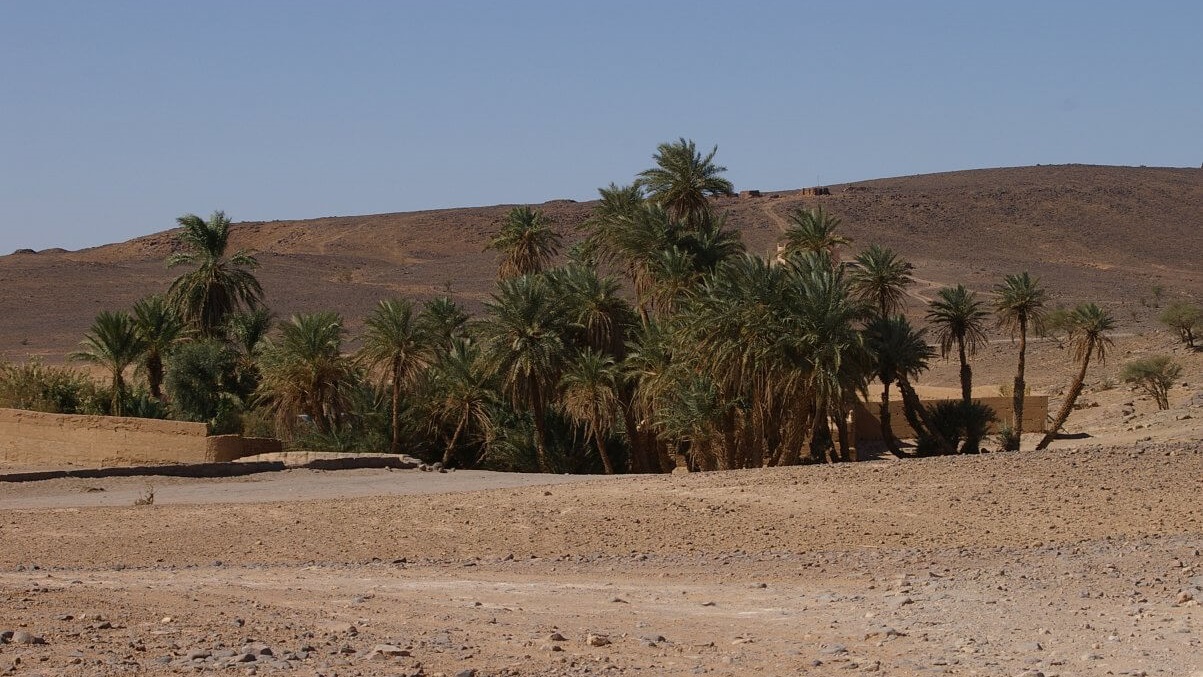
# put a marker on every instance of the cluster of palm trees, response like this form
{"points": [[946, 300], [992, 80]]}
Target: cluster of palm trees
{"points": [[657, 340]]}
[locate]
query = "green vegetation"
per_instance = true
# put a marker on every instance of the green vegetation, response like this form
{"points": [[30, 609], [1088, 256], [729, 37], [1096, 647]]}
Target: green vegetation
{"points": [[1184, 318], [658, 340], [1155, 376], [1019, 303], [1088, 326]]}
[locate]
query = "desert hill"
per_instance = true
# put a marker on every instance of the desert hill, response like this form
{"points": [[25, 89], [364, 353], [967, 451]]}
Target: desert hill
{"points": [[1108, 234]]}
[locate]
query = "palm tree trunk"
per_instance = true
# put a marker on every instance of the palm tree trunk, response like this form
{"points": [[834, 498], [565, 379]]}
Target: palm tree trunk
{"points": [[118, 391], [601, 444], [1067, 406], [455, 438], [537, 410], [841, 427], [917, 413], [966, 373], [395, 446], [154, 374], [1019, 387], [887, 427]]}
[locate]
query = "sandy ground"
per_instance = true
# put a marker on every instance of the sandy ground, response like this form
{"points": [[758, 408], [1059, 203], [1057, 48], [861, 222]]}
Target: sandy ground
{"points": [[1073, 562]]}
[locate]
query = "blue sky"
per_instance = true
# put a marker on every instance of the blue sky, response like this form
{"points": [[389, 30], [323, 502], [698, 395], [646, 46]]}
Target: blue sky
{"points": [[116, 117]]}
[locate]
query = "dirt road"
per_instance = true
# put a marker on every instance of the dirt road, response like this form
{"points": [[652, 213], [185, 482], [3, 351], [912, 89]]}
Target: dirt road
{"points": [[1080, 562]]}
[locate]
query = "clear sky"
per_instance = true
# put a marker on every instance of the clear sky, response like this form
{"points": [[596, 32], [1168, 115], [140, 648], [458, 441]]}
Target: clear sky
{"points": [[117, 116]]}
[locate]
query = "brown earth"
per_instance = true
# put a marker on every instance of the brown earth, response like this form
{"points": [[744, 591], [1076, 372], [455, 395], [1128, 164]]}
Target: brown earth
{"points": [[1080, 560], [1070, 562], [1107, 234]]}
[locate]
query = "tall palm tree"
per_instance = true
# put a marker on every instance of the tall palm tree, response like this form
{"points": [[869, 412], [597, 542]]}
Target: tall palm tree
{"points": [[813, 230], [527, 243], [1019, 302], [113, 342], [683, 181], [461, 391], [1088, 327], [525, 346], [959, 319], [589, 395], [443, 321], [217, 286], [901, 355], [247, 332], [306, 373], [159, 328], [603, 318], [393, 339], [879, 277]]}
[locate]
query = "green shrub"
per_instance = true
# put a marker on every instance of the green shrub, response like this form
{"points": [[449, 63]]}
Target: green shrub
{"points": [[1155, 376], [57, 390], [960, 424], [1184, 318]]}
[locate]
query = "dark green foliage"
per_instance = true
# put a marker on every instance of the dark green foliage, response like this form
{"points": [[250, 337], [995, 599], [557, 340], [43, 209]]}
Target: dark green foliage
{"points": [[202, 383], [960, 423]]}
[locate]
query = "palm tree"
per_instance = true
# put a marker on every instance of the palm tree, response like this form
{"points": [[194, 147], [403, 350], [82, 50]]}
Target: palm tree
{"points": [[159, 327], [306, 373], [959, 319], [113, 342], [527, 243], [461, 392], [901, 355], [879, 278], [394, 340], [443, 322], [683, 181], [1019, 303], [525, 346], [217, 286], [247, 332], [813, 230], [603, 318], [589, 395], [1088, 327]]}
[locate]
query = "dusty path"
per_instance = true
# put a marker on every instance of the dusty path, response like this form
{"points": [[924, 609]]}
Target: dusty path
{"points": [[1071, 562], [288, 485]]}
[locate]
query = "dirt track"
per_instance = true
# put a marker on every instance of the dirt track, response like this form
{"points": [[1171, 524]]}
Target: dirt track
{"points": [[1077, 562]]}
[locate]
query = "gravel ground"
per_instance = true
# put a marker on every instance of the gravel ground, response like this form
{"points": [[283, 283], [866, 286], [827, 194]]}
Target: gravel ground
{"points": [[1070, 562]]}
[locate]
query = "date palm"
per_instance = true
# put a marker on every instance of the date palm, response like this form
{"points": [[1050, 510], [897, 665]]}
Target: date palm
{"points": [[901, 355], [879, 278], [159, 328], [217, 286], [959, 319], [1019, 303], [443, 321], [527, 243], [461, 392], [813, 231], [589, 395], [1088, 327], [525, 347], [683, 181], [394, 341], [306, 373], [114, 343]]}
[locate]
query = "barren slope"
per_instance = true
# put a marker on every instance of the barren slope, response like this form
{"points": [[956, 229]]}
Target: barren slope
{"points": [[1109, 234]]}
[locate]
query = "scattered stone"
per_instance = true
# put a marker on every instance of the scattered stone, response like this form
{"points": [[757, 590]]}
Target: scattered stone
{"points": [[386, 651], [23, 637], [470, 672], [556, 637], [597, 640], [833, 650]]}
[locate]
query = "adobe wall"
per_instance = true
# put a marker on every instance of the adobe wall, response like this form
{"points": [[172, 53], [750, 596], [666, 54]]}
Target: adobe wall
{"points": [[32, 439], [868, 427]]}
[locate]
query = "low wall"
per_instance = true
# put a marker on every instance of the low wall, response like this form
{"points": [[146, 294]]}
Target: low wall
{"points": [[31, 439], [868, 426]]}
